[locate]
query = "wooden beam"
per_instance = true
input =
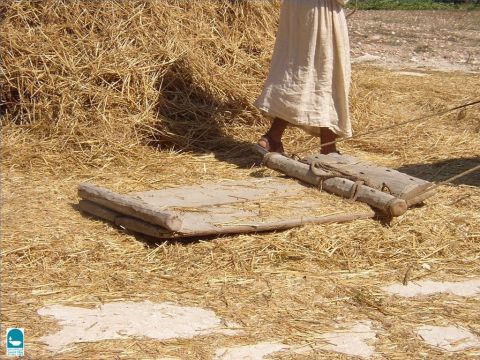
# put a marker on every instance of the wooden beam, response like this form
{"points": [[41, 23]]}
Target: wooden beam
{"points": [[387, 203], [126, 222], [396, 183]]}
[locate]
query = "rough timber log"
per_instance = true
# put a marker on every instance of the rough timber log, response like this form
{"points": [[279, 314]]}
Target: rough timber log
{"points": [[396, 183], [129, 206], [387, 203]]}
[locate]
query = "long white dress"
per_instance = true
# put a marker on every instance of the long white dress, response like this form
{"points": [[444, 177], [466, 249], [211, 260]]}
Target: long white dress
{"points": [[309, 79]]}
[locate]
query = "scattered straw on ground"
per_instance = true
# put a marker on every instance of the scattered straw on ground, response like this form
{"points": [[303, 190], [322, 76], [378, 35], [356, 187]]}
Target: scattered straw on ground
{"points": [[141, 95]]}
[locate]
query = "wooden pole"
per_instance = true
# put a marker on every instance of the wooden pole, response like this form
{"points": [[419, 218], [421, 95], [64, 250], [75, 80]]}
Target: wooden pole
{"points": [[387, 203]]}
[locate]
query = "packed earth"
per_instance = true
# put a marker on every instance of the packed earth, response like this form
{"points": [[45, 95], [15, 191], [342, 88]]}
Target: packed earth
{"points": [[439, 40], [136, 96]]}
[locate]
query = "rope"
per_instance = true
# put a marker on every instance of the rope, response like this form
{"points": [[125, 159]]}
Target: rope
{"points": [[455, 177], [374, 131], [325, 172], [355, 189], [462, 174], [420, 119], [354, 9]]}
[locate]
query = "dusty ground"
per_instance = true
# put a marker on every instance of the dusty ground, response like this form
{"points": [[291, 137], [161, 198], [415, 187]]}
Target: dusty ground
{"points": [[444, 40], [293, 288]]}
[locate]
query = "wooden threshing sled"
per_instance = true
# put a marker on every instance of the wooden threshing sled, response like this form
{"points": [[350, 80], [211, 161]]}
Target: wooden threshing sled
{"points": [[234, 207]]}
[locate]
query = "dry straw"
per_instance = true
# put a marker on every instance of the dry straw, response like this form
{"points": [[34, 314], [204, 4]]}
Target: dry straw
{"points": [[138, 95]]}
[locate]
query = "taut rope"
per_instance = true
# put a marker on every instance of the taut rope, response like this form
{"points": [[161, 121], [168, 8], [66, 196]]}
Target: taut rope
{"points": [[392, 126], [455, 177]]}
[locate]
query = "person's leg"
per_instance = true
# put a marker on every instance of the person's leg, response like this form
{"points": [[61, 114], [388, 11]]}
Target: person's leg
{"points": [[277, 129], [327, 136], [272, 140]]}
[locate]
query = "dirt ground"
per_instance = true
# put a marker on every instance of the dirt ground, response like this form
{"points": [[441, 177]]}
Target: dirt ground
{"points": [[442, 40], [290, 294]]}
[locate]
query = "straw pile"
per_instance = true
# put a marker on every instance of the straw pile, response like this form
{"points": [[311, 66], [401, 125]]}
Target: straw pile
{"points": [[141, 95], [163, 73]]}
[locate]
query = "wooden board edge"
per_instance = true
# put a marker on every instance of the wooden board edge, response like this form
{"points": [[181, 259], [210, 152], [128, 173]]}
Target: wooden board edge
{"points": [[142, 227], [123, 221], [289, 224], [421, 197], [129, 206]]}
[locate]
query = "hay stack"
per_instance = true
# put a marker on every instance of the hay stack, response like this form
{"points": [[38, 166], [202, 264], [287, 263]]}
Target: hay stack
{"points": [[95, 80]]}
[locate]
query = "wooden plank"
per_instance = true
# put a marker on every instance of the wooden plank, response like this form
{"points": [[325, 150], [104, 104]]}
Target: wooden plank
{"points": [[387, 203], [252, 205], [130, 206], [398, 184], [279, 225], [142, 227], [219, 193], [97, 210], [126, 222], [288, 224]]}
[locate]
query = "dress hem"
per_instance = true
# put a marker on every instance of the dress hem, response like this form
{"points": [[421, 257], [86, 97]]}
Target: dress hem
{"points": [[272, 113]]}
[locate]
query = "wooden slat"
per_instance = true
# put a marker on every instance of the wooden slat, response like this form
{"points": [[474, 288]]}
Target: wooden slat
{"points": [[97, 210], [126, 222]]}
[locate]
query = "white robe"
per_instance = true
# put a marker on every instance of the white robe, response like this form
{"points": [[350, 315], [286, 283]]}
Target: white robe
{"points": [[309, 79]]}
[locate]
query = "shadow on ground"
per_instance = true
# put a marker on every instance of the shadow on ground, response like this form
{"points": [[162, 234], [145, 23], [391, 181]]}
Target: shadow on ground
{"points": [[443, 170], [192, 119]]}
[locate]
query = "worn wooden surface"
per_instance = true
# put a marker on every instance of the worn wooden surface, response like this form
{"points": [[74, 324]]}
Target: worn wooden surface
{"points": [[340, 186], [221, 193], [142, 227], [387, 180], [130, 206], [227, 207], [124, 221]]}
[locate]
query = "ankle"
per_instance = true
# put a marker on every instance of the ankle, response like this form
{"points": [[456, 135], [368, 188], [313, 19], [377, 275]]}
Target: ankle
{"points": [[328, 150], [277, 129], [274, 136]]}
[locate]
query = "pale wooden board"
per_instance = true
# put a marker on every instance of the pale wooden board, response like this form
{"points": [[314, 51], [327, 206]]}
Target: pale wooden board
{"points": [[396, 183], [223, 192], [231, 207]]}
